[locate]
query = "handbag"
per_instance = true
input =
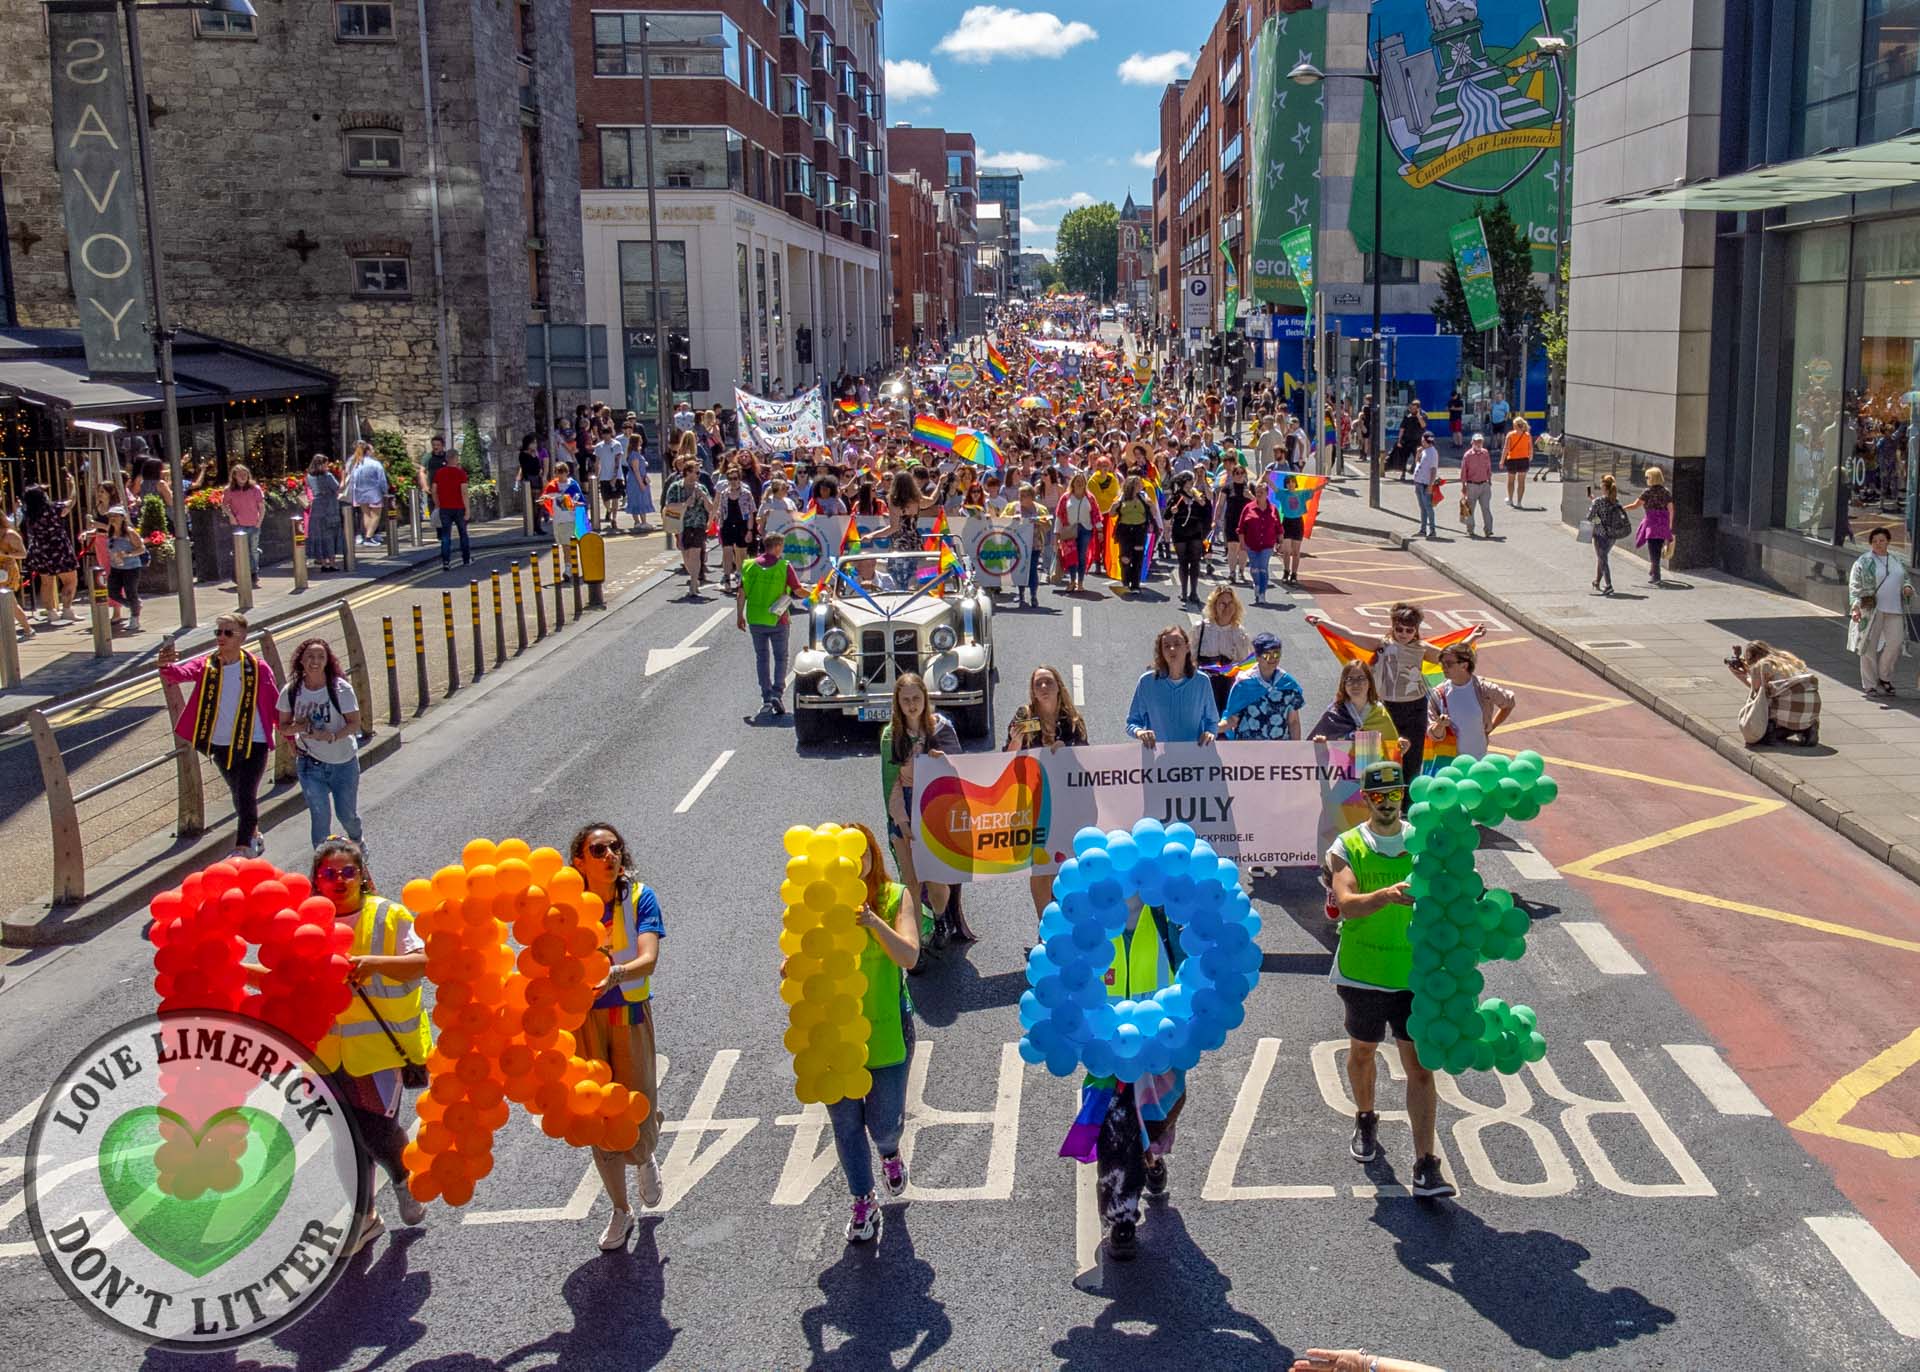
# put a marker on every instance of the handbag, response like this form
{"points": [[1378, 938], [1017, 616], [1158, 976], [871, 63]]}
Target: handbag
{"points": [[1753, 718], [1466, 510], [1585, 532], [413, 1075]]}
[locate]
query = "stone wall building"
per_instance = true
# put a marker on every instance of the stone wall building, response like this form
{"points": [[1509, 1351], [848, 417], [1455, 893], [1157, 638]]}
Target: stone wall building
{"points": [[291, 159]]}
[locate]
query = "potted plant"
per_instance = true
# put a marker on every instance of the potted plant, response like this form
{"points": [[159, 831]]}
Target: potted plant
{"points": [[160, 575]]}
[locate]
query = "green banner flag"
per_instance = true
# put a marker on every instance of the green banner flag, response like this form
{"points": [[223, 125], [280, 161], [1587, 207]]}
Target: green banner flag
{"points": [[1232, 292], [1297, 249], [1475, 111], [1284, 170], [1475, 265]]}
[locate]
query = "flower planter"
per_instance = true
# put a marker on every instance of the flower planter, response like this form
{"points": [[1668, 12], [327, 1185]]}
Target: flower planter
{"points": [[213, 542], [157, 578]]}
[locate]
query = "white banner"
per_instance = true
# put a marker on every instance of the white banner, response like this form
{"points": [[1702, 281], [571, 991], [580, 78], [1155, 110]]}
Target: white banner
{"points": [[780, 426], [997, 550]]}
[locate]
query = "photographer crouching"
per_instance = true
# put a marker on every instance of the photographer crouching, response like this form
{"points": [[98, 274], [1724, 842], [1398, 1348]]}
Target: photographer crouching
{"points": [[1783, 704]]}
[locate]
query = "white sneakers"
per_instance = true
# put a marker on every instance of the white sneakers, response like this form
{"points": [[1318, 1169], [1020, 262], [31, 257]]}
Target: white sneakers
{"points": [[620, 1225], [651, 1189], [412, 1211]]}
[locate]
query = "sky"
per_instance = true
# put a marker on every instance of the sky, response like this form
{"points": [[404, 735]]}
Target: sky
{"points": [[1068, 94]]}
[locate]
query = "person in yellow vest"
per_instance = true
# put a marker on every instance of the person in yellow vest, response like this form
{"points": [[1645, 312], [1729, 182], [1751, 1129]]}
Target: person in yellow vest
{"points": [[1368, 867], [619, 1029], [384, 1027]]}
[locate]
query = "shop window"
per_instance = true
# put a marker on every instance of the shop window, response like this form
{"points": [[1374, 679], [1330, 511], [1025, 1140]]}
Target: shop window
{"points": [[363, 21]]}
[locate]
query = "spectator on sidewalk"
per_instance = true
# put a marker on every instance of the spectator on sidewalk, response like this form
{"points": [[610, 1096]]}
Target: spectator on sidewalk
{"points": [[563, 498], [1783, 701], [1426, 469], [533, 471], [245, 505], [449, 504], [1456, 417], [1656, 525], [1610, 524], [1466, 706], [126, 555], [1878, 591], [1516, 458], [609, 459], [52, 559], [326, 521], [320, 711], [366, 482], [13, 550], [639, 492], [229, 717], [1476, 480]]}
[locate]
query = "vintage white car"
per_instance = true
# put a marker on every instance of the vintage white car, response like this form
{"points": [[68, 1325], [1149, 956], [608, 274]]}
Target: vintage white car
{"points": [[884, 614]]}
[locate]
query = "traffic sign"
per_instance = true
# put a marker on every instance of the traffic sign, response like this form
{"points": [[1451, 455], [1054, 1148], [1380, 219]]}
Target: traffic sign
{"points": [[1197, 293]]}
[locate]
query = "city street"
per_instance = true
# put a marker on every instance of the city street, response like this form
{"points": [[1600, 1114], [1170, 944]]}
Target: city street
{"points": [[1706, 1171]]}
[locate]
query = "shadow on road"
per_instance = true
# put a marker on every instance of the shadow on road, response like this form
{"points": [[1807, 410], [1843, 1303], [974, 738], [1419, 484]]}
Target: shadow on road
{"points": [[879, 1299]]}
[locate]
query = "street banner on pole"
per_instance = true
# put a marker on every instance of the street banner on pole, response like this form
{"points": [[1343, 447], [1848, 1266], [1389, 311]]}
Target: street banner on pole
{"points": [[1475, 265], [94, 152], [779, 426], [1233, 287], [1298, 249], [1284, 161]]}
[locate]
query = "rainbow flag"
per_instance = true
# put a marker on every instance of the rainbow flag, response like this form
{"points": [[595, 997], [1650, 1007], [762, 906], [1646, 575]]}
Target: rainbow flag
{"points": [[1233, 669], [935, 433], [850, 540], [936, 538], [996, 365], [849, 407], [1346, 650], [1298, 497]]}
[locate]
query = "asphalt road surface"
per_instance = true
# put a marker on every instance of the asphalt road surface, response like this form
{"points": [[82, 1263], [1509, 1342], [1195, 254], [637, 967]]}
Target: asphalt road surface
{"points": [[1639, 1199]]}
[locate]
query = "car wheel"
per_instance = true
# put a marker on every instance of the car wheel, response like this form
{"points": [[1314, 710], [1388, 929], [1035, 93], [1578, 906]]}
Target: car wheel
{"points": [[976, 721], [812, 727]]}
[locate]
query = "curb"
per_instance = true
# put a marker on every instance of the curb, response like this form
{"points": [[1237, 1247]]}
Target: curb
{"points": [[132, 878], [1834, 813]]}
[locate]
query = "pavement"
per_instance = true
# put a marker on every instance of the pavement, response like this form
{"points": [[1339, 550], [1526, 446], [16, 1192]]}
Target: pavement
{"points": [[1713, 1168], [1666, 647]]}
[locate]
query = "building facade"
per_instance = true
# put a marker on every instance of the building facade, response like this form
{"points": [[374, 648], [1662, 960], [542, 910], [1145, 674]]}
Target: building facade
{"points": [[925, 269], [1133, 271], [297, 177], [1002, 186], [770, 181], [950, 164]]}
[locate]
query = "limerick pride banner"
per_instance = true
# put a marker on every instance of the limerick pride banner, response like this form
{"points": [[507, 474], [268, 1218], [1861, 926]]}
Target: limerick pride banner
{"points": [[780, 426], [1474, 113], [1475, 266], [992, 814]]}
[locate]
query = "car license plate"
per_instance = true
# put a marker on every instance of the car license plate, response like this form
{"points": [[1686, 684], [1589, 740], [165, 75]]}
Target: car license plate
{"points": [[875, 714]]}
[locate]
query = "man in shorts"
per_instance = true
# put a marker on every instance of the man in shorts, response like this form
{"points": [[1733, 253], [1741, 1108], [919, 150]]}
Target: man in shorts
{"points": [[1367, 869]]}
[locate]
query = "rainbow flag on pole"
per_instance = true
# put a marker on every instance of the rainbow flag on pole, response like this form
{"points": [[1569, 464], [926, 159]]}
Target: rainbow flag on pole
{"points": [[849, 407], [935, 433], [996, 364]]}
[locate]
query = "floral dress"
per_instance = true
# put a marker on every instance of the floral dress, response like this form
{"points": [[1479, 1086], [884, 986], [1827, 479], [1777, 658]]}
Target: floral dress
{"points": [[50, 549]]}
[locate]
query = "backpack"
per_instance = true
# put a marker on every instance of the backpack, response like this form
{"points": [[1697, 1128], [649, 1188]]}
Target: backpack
{"points": [[1614, 522]]}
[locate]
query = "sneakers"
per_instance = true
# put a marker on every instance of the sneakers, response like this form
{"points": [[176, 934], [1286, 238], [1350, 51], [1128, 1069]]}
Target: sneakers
{"points": [[1156, 1176], [893, 1171], [1427, 1181], [619, 1225], [651, 1189], [1123, 1241], [256, 846], [412, 1211], [864, 1225], [1365, 1146]]}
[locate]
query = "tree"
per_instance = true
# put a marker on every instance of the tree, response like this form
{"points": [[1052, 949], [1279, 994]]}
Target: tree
{"points": [[1087, 252], [1046, 275], [1522, 304]]}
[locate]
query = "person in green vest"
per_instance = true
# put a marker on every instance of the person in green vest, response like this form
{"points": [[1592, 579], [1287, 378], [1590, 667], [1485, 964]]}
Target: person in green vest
{"points": [[767, 590], [1367, 869]]}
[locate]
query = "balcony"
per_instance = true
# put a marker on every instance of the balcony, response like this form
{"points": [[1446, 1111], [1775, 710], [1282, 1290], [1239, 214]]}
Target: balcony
{"points": [[1230, 154], [1230, 227], [1230, 78]]}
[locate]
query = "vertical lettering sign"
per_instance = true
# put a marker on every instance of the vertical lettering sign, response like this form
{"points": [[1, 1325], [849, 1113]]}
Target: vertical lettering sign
{"points": [[94, 151]]}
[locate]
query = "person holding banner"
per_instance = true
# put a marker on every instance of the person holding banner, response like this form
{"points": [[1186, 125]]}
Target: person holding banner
{"points": [[1048, 720], [1172, 703], [916, 730], [1357, 709], [1264, 703]]}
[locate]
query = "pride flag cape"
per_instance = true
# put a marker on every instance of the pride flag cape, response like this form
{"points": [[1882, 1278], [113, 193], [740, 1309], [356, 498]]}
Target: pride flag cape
{"points": [[935, 433], [996, 364], [1346, 650], [1298, 497]]}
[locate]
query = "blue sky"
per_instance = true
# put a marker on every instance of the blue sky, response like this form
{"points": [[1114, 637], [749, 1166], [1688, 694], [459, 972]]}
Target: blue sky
{"points": [[1069, 93]]}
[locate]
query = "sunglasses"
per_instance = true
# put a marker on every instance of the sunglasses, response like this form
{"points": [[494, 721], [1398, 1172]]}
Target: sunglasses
{"points": [[1271, 652], [338, 873], [602, 848], [226, 633], [1393, 793]]}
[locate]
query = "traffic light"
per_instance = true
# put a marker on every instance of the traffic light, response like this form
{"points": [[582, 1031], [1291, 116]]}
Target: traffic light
{"points": [[679, 361], [1217, 350], [803, 345]]}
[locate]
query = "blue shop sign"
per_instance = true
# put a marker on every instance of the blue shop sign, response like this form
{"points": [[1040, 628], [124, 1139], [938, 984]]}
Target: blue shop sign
{"points": [[1360, 325]]}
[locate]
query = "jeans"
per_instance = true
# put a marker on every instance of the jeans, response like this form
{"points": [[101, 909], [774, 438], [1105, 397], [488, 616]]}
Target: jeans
{"points": [[1480, 493], [1082, 545], [251, 532], [1258, 558], [329, 786], [1033, 574], [770, 659], [1654, 547], [881, 1115], [449, 520], [243, 785], [1423, 495], [1602, 545]]}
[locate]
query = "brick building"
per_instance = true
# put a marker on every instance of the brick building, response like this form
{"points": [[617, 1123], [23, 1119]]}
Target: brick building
{"points": [[771, 182], [925, 257], [950, 164], [292, 160]]}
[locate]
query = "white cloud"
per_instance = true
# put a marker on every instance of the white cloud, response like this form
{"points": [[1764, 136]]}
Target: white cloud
{"points": [[988, 31], [1032, 226], [1078, 200], [1157, 70], [907, 80], [1145, 158], [1024, 162]]}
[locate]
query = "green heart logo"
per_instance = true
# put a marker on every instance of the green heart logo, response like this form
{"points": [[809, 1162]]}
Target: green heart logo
{"points": [[200, 1234]]}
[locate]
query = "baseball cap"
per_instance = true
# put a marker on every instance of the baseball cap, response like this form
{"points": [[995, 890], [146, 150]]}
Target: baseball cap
{"points": [[1266, 643], [1382, 776]]}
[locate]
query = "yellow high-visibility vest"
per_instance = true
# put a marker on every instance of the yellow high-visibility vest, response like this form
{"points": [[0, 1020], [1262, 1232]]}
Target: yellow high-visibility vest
{"points": [[357, 1040]]}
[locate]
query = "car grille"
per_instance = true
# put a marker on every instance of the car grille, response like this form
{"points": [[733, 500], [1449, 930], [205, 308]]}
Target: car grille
{"points": [[873, 652]]}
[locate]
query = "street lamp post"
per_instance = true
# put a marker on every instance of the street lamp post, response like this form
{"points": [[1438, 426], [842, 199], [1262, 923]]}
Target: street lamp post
{"points": [[1307, 74]]}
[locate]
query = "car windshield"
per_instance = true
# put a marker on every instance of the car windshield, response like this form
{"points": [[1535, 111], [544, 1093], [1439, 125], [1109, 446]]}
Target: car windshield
{"points": [[892, 573]]}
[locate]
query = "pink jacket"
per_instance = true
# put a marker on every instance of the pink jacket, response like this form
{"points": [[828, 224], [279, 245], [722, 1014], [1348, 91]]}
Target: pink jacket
{"points": [[266, 697]]}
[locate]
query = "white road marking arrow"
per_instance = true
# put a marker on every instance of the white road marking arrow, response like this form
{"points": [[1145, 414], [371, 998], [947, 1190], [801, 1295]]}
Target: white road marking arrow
{"points": [[659, 659]]}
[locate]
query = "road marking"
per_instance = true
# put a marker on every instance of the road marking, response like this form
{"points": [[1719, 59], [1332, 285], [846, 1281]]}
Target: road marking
{"points": [[1881, 1274], [1603, 950], [572, 1212], [1719, 1083], [1079, 689], [1086, 1219], [1528, 862], [21, 1118], [1826, 1116], [1220, 1184], [700, 786], [660, 659], [1076, 621]]}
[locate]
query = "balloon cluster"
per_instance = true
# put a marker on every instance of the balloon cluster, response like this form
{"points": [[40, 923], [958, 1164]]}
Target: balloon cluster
{"points": [[1067, 1016], [1458, 923], [823, 986], [505, 1022]]}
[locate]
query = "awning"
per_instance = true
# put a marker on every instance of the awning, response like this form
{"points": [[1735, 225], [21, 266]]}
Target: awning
{"points": [[49, 367], [1881, 166]]}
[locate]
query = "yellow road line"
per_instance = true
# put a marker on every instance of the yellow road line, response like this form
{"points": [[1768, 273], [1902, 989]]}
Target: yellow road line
{"points": [[1562, 716], [1826, 1117]]}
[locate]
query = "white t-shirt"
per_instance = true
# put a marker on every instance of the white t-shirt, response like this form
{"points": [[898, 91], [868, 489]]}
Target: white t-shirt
{"points": [[311, 706], [227, 706], [1889, 602], [610, 452], [1428, 466], [1386, 845], [1462, 704]]}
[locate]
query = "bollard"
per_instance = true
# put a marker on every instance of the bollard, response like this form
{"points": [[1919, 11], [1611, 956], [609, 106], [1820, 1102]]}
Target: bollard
{"points": [[559, 609], [420, 660], [519, 612], [499, 624], [242, 570], [350, 543], [539, 598], [413, 513], [473, 614], [573, 575], [393, 527], [558, 571], [527, 497], [393, 672], [453, 648], [10, 645], [299, 555], [101, 617]]}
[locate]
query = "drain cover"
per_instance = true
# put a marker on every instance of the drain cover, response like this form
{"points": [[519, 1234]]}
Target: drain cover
{"points": [[1606, 645]]}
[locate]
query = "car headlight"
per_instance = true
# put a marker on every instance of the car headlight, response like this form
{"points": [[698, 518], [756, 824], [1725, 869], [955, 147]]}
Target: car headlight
{"points": [[835, 641], [943, 638], [949, 681], [827, 687]]}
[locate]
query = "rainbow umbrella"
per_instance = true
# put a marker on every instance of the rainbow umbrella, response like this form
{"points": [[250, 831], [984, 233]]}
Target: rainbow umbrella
{"points": [[977, 448], [1033, 402]]}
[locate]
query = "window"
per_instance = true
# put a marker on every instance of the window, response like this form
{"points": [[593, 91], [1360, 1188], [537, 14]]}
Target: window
{"points": [[374, 152], [800, 177], [746, 310], [363, 21], [1826, 84], [796, 97], [793, 19], [703, 45], [223, 25], [381, 276], [1890, 69], [1394, 271], [683, 159], [822, 47], [770, 82], [848, 85]]}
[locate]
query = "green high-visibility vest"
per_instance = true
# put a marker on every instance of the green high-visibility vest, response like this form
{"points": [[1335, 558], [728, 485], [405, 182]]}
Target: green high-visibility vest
{"points": [[1375, 949], [886, 990], [763, 586]]}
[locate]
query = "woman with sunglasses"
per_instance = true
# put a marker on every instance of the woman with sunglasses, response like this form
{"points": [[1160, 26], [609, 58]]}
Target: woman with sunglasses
{"points": [[619, 1028], [1048, 720], [229, 717]]}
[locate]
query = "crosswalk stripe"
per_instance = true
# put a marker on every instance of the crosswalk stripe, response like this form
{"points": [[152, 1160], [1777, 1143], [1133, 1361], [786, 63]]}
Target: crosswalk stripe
{"points": [[1719, 1083], [1602, 949], [1876, 1268]]}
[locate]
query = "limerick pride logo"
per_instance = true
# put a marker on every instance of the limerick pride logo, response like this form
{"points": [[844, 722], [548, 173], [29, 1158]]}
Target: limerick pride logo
{"points": [[1471, 103], [993, 829]]}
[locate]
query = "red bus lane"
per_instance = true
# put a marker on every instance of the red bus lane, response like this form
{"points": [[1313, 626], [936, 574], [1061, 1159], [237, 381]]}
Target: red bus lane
{"points": [[1798, 953]]}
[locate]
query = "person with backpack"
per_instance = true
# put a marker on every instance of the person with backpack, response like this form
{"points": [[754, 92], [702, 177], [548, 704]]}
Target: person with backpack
{"points": [[1610, 524], [320, 711]]}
